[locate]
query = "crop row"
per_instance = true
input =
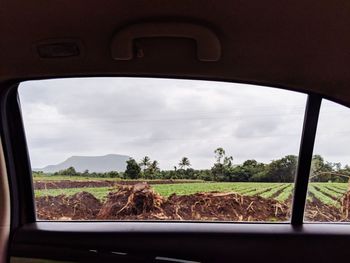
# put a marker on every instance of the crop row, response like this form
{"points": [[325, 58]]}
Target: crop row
{"points": [[327, 193], [315, 193], [266, 190]]}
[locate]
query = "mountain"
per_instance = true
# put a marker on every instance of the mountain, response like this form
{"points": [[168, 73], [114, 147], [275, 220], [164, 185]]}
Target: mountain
{"points": [[99, 164]]}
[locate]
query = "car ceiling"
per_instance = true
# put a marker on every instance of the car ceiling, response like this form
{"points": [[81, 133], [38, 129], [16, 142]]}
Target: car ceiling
{"points": [[299, 45]]}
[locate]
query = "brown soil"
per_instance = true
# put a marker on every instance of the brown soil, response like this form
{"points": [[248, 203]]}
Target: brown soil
{"points": [[141, 202], [79, 206], [316, 211], [345, 205], [59, 184], [224, 206], [132, 202], [38, 185]]}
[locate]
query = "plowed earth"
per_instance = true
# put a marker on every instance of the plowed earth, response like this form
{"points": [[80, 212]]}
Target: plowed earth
{"points": [[140, 202]]}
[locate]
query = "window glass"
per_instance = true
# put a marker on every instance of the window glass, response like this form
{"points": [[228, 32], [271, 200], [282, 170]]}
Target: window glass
{"points": [[161, 149], [328, 196]]}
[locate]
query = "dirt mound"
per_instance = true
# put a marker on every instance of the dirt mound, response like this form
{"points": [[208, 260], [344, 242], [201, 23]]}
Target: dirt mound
{"points": [[316, 211], [137, 201], [141, 202], [81, 205], [224, 206]]}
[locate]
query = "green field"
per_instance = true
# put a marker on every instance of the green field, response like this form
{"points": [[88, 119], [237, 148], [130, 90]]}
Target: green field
{"points": [[98, 192], [327, 193], [266, 190]]}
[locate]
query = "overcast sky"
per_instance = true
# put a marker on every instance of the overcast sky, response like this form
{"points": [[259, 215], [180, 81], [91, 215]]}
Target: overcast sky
{"points": [[168, 119]]}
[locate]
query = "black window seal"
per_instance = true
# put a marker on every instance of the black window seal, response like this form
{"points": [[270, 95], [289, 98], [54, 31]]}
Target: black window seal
{"points": [[16, 158]]}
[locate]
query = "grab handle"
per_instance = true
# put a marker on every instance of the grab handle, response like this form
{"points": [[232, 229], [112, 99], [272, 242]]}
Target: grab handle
{"points": [[208, 44]]}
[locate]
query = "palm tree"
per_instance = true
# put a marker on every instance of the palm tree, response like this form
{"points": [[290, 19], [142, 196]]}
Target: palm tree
{"points": [[153, 169], [154, 166], [219, 154], [145, 163], [185, 162], [228, 161]]}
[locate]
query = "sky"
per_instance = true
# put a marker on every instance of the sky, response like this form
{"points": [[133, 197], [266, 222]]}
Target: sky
{"points": [[167, 119]]}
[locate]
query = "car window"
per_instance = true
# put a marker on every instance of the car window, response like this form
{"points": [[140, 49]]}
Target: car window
{"points": [[328, 194], [161, 149]]}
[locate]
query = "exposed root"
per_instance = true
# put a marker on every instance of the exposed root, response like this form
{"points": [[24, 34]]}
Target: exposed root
{"points": [[82, 205], [345, 205], [132, 201], [141, 202], [250, 206], [278, 207]]}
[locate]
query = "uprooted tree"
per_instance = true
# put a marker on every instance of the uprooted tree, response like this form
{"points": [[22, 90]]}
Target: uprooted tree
{"points": [[345, 200]]}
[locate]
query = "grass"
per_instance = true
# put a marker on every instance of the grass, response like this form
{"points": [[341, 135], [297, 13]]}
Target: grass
{"points": [[186, 189], [321, 191], [287, 192], [168, 189], [327, 193], [275, 190], [98, 192], [336, 190], [322, 197], [325, 190]]}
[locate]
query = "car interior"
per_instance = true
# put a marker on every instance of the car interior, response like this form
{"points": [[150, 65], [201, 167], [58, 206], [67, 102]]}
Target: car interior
{"points": [[296, 46]]}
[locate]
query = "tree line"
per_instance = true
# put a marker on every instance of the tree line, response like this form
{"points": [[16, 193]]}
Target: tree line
{"points": [[223, 170]]}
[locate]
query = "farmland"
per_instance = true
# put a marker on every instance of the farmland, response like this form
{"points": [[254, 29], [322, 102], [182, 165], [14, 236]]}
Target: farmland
{"points": [[327, 193], [165, 190], [322, 196]]}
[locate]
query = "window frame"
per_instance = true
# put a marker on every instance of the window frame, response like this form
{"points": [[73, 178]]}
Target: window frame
{"points": [[143, 240], [16, 158], [19, 168]]}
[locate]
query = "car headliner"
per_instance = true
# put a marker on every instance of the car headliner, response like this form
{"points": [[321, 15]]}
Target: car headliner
{"points": [[298, 45]]}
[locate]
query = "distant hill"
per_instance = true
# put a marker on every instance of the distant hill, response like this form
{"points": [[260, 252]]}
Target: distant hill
{"points": [[98, 164]]}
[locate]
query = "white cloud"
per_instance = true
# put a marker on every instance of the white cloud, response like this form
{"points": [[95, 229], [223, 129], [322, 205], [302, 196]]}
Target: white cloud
{"points": [[165, 119]]}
